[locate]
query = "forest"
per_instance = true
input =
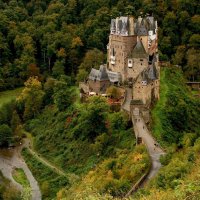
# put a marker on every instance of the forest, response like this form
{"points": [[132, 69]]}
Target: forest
{"points": [[46, 48], [42, 38]]}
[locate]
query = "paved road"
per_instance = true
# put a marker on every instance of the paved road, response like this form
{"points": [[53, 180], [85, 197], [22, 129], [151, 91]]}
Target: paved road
{"points": [[154, 150], [7, 164], [6, 167]]}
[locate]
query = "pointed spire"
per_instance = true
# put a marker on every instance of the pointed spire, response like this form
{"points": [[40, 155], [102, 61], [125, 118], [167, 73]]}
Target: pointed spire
{"points": [[152, 73], [139, 50]]}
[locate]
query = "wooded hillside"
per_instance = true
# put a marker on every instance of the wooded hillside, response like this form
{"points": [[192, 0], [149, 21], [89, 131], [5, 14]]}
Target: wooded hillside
{"points": [[60, 36]]}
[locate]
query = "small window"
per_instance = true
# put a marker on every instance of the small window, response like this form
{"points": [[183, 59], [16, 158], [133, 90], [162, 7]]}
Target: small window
{"points": [[141, 59], [141, 63]]}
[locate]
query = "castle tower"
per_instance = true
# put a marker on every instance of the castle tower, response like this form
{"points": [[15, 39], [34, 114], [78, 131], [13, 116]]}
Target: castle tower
{"points": [[121, 42], [132, 46]]}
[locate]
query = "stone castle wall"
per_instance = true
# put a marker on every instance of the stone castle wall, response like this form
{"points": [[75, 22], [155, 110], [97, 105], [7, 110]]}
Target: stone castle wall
{"points": [[122, 46], [139, 64]]}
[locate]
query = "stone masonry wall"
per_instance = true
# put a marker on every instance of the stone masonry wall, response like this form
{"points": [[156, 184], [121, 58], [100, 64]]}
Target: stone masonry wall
{"points": [[139, 64], [122, 47]]}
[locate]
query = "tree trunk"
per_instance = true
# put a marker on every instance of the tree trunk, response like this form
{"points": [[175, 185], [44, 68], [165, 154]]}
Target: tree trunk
{"points": [[49, 59]]}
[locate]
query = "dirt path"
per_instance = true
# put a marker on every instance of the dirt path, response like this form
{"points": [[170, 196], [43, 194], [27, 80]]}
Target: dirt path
{"points": [[29, 146]]}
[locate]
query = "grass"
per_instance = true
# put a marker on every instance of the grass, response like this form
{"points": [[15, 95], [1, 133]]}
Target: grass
{"points": [[49, 181], [20, 177], [9, 95]]}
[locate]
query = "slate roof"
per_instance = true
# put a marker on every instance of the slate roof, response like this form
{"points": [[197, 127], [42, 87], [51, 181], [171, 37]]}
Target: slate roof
{"points": [[103, 74], [113, 24], [99, 75], [152, 72], [120, 25], [149, 74], [139, 51], [145, 76], [114, 76], [143, 25]]}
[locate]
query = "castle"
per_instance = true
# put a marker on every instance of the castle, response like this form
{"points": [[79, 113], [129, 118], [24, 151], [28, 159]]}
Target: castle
{"points": [[132, 59]]}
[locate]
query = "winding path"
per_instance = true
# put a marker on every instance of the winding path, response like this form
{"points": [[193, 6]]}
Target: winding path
{"points": [[142, 131], [29, 145], [153, 147], [7, 164]]}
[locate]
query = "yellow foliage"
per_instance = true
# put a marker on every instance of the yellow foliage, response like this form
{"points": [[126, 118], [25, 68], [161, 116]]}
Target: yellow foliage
{"points": [[137, 157], [76, 42], [61, 53], [31, 84]]}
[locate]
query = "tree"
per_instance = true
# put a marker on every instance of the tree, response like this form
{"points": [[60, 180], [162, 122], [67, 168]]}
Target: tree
{"points": [[32, 97], [5, 135], [48, 89], [63, 95], [179, 57], [33, 70], [82, 75], [195, 41], [94, 112], [93, 58], [15, 121], [114, 92], [11, 193], [193, 64], [58, 69]]}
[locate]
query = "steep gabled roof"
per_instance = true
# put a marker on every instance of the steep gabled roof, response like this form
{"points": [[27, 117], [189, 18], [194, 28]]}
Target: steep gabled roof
{"points": [[144, 76], [99, 75], [139, 51], [152, 72]]}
